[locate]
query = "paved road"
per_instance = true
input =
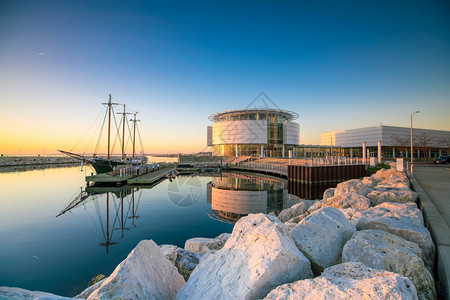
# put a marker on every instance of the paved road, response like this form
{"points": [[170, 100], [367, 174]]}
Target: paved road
{"points": [[435, 180]]}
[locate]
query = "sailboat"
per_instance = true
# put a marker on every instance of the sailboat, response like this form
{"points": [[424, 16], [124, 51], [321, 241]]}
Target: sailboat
{"points": [[109, 164]]}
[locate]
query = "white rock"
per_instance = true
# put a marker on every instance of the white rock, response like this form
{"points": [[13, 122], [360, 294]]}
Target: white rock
{"points": [[402, 219], [223, 237], [348, 281], [317, 205], [203, 245], [379, 196], [352, 200], [348, 212], [369, 181], [184, 260], [328, 193], [259, 255], [354, 186], [291, 212], [144, 274], [12, 293], [382, 250], [321, 237]]}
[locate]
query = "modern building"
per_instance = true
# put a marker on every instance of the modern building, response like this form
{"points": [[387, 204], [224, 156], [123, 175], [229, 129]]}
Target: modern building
{"points": [[388, 142], [258, 132]]}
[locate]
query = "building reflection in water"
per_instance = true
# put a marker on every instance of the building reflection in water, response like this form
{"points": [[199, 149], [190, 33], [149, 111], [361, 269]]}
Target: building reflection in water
{"points": [[234, 195], [115, 209]]}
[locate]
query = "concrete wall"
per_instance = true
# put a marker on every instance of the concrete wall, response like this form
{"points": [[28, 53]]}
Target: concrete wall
{"points": [[238, 202]]}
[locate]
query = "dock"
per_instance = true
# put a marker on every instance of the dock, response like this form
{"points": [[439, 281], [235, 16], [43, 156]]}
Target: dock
{"points": [[132, 178]]}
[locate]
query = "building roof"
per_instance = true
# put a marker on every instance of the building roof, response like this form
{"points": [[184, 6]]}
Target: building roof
{"points": [[286, 114]]}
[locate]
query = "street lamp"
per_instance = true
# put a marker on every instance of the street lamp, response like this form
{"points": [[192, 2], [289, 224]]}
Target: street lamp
{"points": [[412, 153]]}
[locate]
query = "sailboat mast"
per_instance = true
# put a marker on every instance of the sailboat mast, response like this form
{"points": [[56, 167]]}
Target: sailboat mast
{"points": [[110, 104], [134, 133], [123, 133], [109, 125]]}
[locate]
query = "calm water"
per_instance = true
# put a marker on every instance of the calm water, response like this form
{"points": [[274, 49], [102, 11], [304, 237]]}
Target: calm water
{"points": [[40, 251]]}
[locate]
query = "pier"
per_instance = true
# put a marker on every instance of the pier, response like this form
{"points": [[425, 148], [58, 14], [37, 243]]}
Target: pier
{"points": [[131, 176]]}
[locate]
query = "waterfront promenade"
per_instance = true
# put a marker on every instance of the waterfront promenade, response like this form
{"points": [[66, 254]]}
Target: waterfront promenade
{"points": [[432, 183]]}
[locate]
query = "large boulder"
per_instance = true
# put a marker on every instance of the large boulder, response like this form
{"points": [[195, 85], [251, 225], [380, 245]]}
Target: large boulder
{"points": [[259, 256], [354, 186], [402, 219], [12, 293], [203, 245], [291, 212], [144, 274], [404, 195], [382, 250], [321, 237], [348, 281], [352, 200], [184, 260]]}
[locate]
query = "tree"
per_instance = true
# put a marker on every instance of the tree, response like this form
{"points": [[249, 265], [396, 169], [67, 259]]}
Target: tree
{"points": [[400, 142], [424, 141]]}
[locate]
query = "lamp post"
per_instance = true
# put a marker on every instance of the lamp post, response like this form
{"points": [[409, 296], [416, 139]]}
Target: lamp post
{"points": [[412, 153]]}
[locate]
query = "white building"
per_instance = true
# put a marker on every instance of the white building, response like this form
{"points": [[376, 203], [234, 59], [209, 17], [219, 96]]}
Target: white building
{"points": [[388, 141]]}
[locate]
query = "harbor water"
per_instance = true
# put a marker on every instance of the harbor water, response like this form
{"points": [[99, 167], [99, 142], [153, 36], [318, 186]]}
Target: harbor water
{"points": [[56, 233]]}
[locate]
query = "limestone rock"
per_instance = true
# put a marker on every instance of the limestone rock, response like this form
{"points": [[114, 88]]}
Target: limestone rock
{"points": [[402, 219], [85, 294], [297, 219], [184, 260], [291, 212], [348, 281], [352, 200], [290, 226], [203, 245], [317, 205], [259, 255], [354, 186], [96, 279], [144, 274], [223, 237], [382, 250], [12, 293], [328, 193], [404, 195], [348, 212], [369, 181], [321, 237]]}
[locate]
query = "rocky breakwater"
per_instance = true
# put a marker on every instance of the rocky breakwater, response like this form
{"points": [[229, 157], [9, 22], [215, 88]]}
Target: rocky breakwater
{"points": [[15, 161], [360, 241]]}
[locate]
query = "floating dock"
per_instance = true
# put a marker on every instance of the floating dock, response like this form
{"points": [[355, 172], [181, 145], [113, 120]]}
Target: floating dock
{"points": [[133, 178]]}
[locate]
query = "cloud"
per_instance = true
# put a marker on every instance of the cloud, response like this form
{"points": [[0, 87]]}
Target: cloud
{"points": [[41, 53]]}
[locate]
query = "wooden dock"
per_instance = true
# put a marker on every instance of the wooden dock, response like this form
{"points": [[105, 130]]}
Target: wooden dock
{"points": [[144, 179], [150, 177]]}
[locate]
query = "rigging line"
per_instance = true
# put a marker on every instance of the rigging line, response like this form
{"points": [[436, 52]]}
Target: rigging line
{"points": [[92, 136], [90, 229], [94, 199], [97, 210], [130, 139], [117, 128], [100, 132], [115, 219], [139, 201], [92, 124], [140, 140]]}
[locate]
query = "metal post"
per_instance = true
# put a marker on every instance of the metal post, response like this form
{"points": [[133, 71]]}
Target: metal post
{"points": [[412, 152], [364, 152], [379, 152]]}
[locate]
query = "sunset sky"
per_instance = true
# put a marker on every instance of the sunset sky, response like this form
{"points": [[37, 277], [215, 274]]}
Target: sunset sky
{"points": [[338, 64]]}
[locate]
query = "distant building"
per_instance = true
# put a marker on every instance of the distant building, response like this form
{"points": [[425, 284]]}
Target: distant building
{"points": [[393, 141], [259, 132]]}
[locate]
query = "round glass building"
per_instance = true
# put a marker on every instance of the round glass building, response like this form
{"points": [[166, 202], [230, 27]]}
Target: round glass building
{"points": [[264, 132]]}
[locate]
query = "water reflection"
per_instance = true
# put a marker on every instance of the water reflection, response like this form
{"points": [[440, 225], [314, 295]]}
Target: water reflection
{"points": [[113, 208], [234, 195]]}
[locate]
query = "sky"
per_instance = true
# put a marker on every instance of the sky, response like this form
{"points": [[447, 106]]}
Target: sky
{"points": [[338, 64]]}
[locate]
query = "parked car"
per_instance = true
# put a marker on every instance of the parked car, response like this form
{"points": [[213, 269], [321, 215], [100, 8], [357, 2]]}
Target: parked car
{"points": [[443, 159]]}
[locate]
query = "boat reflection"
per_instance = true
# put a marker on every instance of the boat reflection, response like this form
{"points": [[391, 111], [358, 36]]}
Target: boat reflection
{"points": [[234, 195], [119, 202]]}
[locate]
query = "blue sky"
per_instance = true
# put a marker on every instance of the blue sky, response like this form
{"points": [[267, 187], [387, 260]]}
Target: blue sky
{"points": [[338, 64]]}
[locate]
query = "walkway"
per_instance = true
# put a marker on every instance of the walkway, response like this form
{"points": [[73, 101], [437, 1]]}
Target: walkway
{"points": [[432, 183]]}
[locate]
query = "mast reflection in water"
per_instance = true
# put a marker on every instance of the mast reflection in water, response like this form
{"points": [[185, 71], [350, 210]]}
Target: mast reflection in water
{"points": [[234, 195], [119, 205]]}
